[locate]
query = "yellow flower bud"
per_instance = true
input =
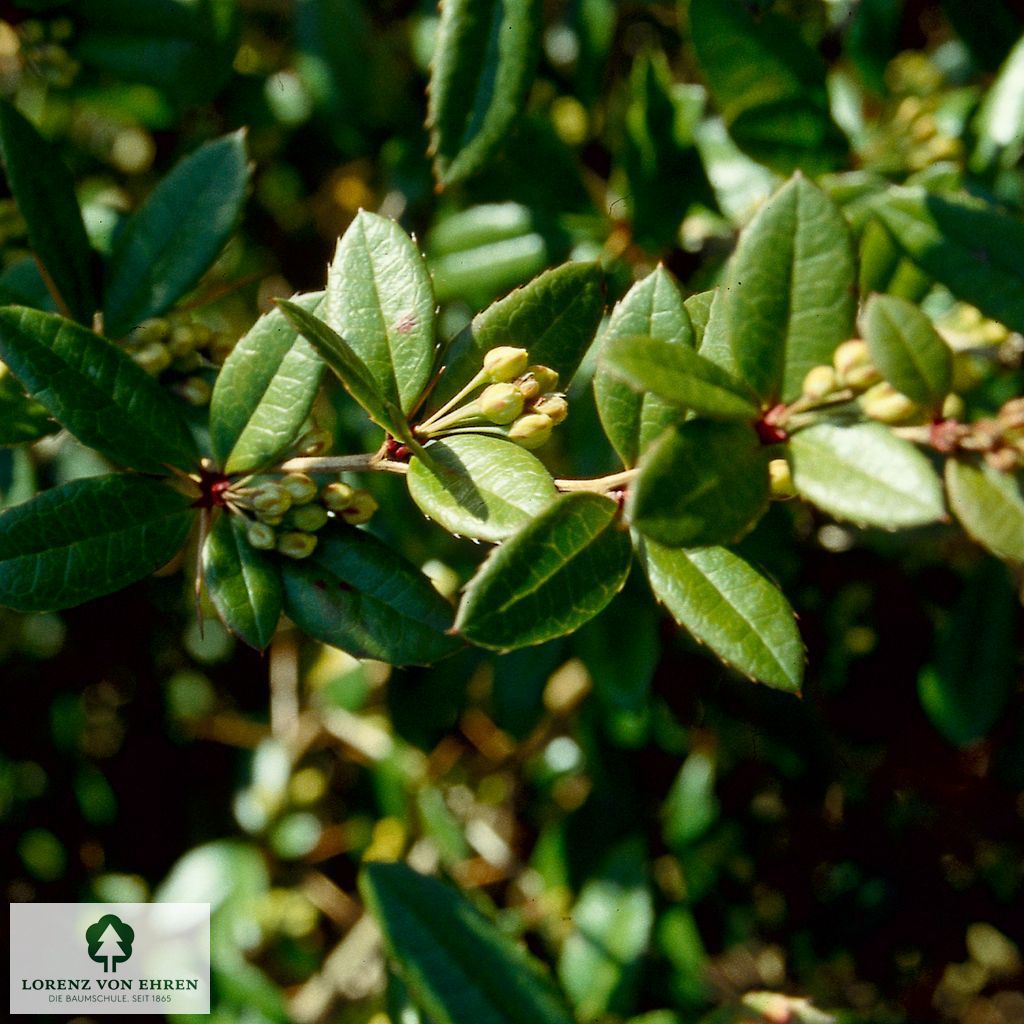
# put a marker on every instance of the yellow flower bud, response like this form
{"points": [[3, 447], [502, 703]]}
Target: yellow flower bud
{"points": [[155, 329], [337, 496], [182, 342], [360, 509], [887, 405], [271, 500], [308, 518], [555, 407], [501, 403], [953, 408], [852, 361], [301, 488], [505, 363], [153, 357], [545, 377], [531, 431], [296, 545], [781, 477], [820, 382], [195, 390], [261, 536]]}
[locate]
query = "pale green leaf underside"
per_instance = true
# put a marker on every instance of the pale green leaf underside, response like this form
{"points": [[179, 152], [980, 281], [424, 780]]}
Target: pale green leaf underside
{"points": [[989, 504]]}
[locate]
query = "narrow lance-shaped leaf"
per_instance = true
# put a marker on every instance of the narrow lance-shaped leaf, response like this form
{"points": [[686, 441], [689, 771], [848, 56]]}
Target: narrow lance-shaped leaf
{"points": [[790, 290], [174, 237], [550, 578], [479, 486], [702, 483], [88, 538], [480, 76], [865, 474], [95, 390], [907, 349], [380, 300], [989, 504], [355, 592], [474, 972], [724, 602], [264, 392], [244, 584], [652, 307], [45, 193]]}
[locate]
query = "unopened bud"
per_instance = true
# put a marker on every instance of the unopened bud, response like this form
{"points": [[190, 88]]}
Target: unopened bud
{"points": [[555, 407], [505, 363], [314, 442], [309, 518], [337, 496], [1011, 415], [1003, 459], [887, 405], [360, 509], [182, 342], [852, 361], [531, 431], [271, 520], [953, 408], [781, 478], [820, 382], [545, 377], [501, 403], [296, 545], [155, 329], [271, 500], [301, 488], [153, 357], [195, 390], [261, 536]]}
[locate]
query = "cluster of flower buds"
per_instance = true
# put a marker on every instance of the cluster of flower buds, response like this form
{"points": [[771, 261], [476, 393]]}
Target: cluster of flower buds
{"points": [[999, 439], [518, 401], [42, 52], [180, 349], [289, 512]]}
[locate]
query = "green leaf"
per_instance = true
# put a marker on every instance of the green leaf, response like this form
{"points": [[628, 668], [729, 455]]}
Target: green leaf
{"points": [[244, 583], [95, 390], [480, 76], [907, 350], [712, 329], [45, 193], [724, 602], [264, 392], [380, 300], [479, 486], [88, 538], [865, 474], [965, 689], [355, 592], [458, 967], [790, 291], [350, 369], [989, 504], [999, 124], [681, 377], [691, 806], [769, 85], [548, 579], [612, 921], [970, 247], [652, 307], [702, 483], [554, 317], [172, 239], [22, 419]]}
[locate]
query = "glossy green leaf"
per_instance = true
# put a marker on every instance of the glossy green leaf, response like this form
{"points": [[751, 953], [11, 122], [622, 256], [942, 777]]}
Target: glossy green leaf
{"points": [[22, 419], [612, 921], [479, 486], [458, 967], [95, 390], [355, 592], [680, 376], [380, 300], [724, 602], [652, 307], [45, 194], [999, 124], [173, 238], [702, 483], [88, 538], [989, 504], [970, 247], [548, 579], [769, 85], [884, 267], [691, 806], [554, 317], [713, 329], [480, 76], [350, 369], [865, 474], [907, 349], [790, 291], [966, 687], [244, 584], [264, 392]]}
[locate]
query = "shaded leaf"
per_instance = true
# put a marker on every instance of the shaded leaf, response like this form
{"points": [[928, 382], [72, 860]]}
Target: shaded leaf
{"points": [[548, 579], [244, 584], [355, 592], [45, 193], [691, 806], [22, 419], [865, 474], [88, 538], [170, 241], [479, 486], [95, 390], [264, 392], [989, 504], [483, 65], [702, 483]]}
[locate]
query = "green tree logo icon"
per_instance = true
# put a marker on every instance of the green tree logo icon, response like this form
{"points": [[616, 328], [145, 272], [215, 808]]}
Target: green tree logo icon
{"points": [[110, 942]]}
